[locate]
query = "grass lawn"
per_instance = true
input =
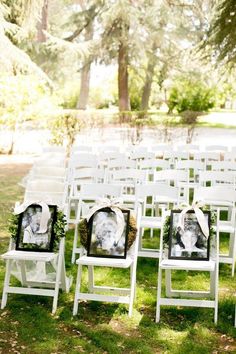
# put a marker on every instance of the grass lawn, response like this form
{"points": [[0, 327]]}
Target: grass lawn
{"points": [[27, 326]]}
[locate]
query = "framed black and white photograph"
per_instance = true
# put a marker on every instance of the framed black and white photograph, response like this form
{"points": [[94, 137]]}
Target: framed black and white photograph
{"points": [[188, 242], [28, 237], [102, 240]]}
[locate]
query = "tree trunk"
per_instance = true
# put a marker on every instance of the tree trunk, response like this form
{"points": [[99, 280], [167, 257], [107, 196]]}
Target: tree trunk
{"points": [[85, 74], [123, 91], [147, 85], [43, 23], [84, 87]]}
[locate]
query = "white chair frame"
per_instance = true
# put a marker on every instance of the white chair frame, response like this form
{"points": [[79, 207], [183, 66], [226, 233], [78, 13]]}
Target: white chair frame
{"points": [[112, 294], [191, 298], [225, 199], [91, 192], [32, 285]]}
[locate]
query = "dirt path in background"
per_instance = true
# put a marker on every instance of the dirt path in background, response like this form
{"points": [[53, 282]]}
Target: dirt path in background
{"points": [[13, 169]]}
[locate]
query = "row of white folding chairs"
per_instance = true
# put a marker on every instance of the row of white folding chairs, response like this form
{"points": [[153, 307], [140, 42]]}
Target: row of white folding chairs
{"points": [[114, 159], [161, 148], [164, 195], [90, 193], [130, 178]]}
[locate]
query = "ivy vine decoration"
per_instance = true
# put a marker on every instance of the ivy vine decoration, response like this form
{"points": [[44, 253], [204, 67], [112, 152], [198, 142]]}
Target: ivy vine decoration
{"points": [[58, 229], [83, 228], [166, 227]]}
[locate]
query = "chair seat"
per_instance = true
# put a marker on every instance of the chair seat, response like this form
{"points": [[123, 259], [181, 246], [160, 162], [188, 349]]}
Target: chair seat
{"points": [[29, 256], [182, 264], [151, 222], [105, 262]]}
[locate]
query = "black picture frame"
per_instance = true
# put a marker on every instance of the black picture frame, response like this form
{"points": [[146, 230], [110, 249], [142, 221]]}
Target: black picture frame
{"points": [[190, 243], [27, 237], [102, 226]]}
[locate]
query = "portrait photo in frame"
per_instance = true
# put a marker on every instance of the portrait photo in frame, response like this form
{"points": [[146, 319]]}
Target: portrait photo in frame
{"points": [[28, 238], [189, 243], [102, 240]]}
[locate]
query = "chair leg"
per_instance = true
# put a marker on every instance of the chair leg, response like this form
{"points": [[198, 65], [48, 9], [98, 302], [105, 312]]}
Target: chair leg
{"points": [[216, 292], [91, 278], [132, 287], [233, 245], [77, 290], [75, 242], [6, 283], [158, 310], [212, 284], [168, 283], [57, 283]]}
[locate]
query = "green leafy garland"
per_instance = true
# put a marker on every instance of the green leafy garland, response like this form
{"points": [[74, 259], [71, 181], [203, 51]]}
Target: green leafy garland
{"points": [[59, 228], [166, 227]]}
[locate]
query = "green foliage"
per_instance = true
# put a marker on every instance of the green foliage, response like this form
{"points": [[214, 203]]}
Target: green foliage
{"points": [[221, 35], [64, 127], [189, 94], [190, 97], [135, 90], [23, 97], [69, 95], [100, 98], [59, 228]]}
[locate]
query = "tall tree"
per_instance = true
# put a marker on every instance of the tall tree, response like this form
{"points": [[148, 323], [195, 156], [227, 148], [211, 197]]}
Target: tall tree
{"points": [[42, 24], [221, 36], [16, 20]]}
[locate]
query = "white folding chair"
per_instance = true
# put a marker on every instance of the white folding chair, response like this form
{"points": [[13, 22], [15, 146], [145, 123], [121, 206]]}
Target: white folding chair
{"points": [[217, 148], [49, 191], [177, 178], [223, 197], [34, 279], [154, 198], [196, 298], [141, 155], [128, 178], [230, 156], [188, 147], [48, 172], [207, 157], [223, 166], [89, 194], [213, 178], [108, 293], [120, 163], [106, 156], [30, 267], [151, 165], [173, 156], [159, 149], [193, 167], [81, 176], [51, 160]]}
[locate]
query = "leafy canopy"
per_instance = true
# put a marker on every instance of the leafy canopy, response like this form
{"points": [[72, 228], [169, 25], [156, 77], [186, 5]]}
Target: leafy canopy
{"points": [[190, 94]]}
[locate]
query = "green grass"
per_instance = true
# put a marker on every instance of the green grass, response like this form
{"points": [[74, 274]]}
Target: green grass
{"points": [[27, 326]]}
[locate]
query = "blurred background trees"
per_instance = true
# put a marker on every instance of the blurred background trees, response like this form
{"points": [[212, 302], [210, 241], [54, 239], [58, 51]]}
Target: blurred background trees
{"points": [[123, 54]]}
